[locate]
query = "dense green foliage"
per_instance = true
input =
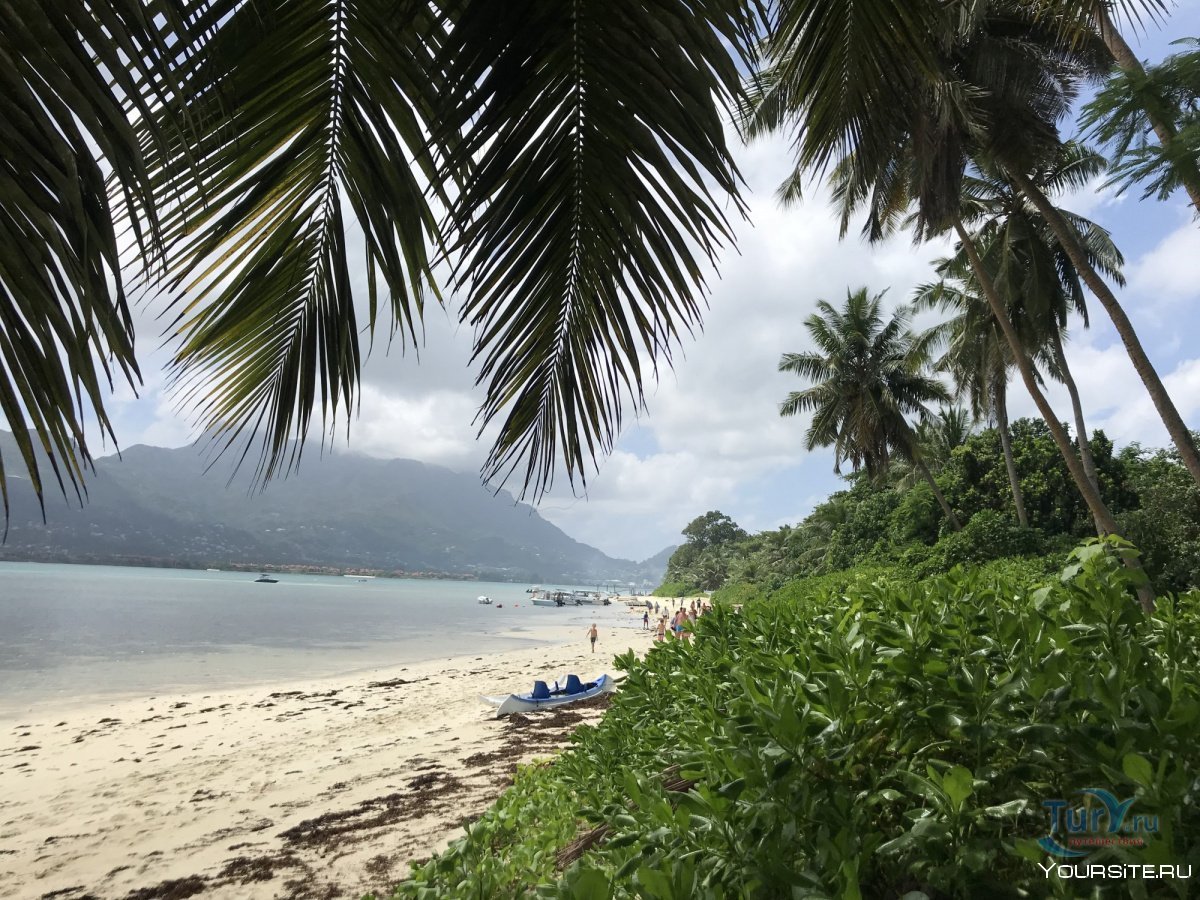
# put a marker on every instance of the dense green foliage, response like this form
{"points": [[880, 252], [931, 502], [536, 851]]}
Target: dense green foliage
{"points": [[896, 522], [867, 738]]}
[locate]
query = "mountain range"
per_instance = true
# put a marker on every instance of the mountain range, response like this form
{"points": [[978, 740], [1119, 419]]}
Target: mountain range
{"points": [[156, 506]]}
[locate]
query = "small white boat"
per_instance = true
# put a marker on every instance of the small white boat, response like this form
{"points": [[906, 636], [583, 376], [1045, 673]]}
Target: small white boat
{"points": [[360, 577], [591, 598], [542, 697], [487, 601], [549, 598]]}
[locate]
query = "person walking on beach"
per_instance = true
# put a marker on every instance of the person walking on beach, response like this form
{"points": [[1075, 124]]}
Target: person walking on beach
{"points": [[662, 629], [646, 620], [593, 633]]}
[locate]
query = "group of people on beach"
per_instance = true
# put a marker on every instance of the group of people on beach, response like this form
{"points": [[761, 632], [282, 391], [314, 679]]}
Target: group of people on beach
{"points": [[678, 622]]}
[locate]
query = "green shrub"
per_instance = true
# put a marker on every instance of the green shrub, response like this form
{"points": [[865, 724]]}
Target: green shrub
{"points": [[673, 589], [868, 739], [988, 535]]}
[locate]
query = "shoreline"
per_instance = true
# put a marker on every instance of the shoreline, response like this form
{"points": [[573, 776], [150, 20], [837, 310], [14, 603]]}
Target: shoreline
{"points": [[315, 787]]}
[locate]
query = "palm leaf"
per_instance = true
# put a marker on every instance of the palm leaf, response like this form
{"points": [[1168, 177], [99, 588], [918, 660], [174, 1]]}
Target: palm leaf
{"points": [[596, 177], [71, 78], [317, 115]]}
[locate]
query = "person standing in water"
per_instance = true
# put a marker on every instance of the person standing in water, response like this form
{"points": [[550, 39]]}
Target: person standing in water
{"points": [[646, 620], [593, 633]]}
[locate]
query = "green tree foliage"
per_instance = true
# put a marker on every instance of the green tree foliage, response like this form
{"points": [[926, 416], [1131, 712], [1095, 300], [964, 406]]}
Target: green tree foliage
{"points": [[1120, 117], [1165, 526], [702, 562], [896, 523], [712, 530]]}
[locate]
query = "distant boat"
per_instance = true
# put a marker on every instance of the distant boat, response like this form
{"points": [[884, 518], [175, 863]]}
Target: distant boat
{"points": [[212, 570], [266, 579], [591, 598], [487, 601], [360, 577], [548, 598], [541, 697]]}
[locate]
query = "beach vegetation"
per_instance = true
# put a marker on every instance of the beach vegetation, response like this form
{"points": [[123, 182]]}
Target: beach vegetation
{"points": [[869, 376], [895, 522], [867, 736]]}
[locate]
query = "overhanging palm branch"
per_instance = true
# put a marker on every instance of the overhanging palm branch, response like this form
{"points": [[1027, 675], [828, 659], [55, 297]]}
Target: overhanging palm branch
{"points": [[578, 149], [71, 80], [597, 161], [316, 120]]}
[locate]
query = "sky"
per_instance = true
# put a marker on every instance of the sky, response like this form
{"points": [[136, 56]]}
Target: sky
{"points": [[711, 437]]}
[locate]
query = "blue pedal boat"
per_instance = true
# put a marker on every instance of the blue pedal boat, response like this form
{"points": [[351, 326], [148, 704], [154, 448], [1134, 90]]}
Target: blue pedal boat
{"points": [[543, 697]]}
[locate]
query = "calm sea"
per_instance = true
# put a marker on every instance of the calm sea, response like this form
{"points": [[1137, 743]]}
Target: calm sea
{"points": [[72, 634]]}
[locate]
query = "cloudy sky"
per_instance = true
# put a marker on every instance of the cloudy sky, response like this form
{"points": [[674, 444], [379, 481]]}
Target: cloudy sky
{"points": [[712, 437]]}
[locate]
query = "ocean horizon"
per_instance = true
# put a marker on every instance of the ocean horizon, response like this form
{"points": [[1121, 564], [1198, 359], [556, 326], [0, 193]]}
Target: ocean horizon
{"points": [[73, 634]]}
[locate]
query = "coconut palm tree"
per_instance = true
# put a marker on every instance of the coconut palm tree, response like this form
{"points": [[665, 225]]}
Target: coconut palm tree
{"points": [[273, 160], [1119, 117], [996, 67], [870, 376], [1032, 268], [976, 357], [1137, 98]]}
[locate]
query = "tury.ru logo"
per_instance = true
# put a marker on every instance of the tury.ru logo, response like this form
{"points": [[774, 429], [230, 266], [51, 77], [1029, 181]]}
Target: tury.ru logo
{"points": [[1099, 820]]}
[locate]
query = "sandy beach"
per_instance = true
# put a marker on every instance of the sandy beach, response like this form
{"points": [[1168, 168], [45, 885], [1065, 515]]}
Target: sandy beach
{"points": [[326, 788]]}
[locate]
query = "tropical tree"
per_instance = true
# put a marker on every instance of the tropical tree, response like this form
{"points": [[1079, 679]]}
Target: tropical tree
{"points": [[987, 66], [1119, 117], [566, 160], [1162, 99], [1032, 269], [975, 356], [870, 377], [944, 431]]}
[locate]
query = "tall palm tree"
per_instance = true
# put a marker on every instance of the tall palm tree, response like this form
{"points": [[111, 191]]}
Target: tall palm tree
{"points": [[976, 357], [567, 161], [1119, 117], [1153, 102], [870, 376], [1077, 253], [993, 85], [1032, 268]]}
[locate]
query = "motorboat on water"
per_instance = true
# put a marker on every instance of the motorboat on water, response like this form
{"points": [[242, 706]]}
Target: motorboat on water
{"points": [[591, 598], [549, 598], [544, 697], [485, 600], [266, 579]]}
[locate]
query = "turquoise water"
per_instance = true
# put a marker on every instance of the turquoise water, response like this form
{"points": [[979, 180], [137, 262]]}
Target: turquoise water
{"points": [[71, 634]]}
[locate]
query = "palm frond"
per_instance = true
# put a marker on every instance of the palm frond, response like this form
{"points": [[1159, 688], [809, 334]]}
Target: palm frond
{"points": [[312, 111], [70, 81], [598, 182]]}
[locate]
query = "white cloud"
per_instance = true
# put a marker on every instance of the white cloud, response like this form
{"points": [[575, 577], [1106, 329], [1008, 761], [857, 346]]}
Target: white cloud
{"points": [[1171, 271]]}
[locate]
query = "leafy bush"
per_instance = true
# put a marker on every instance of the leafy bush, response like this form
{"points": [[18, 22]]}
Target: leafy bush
{"points": [[872, 740], [988, 535], [673, 589]]}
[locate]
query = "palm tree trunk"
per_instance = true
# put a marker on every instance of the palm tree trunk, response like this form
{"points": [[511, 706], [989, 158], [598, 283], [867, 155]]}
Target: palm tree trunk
{"points": [[937, 492], [1000, 406], [1105, 523], [1085, 445], [1164, 130], [1176, 427]]}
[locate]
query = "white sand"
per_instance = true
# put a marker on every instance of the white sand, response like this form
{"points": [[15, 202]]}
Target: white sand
{"points": [[113, 800]]}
